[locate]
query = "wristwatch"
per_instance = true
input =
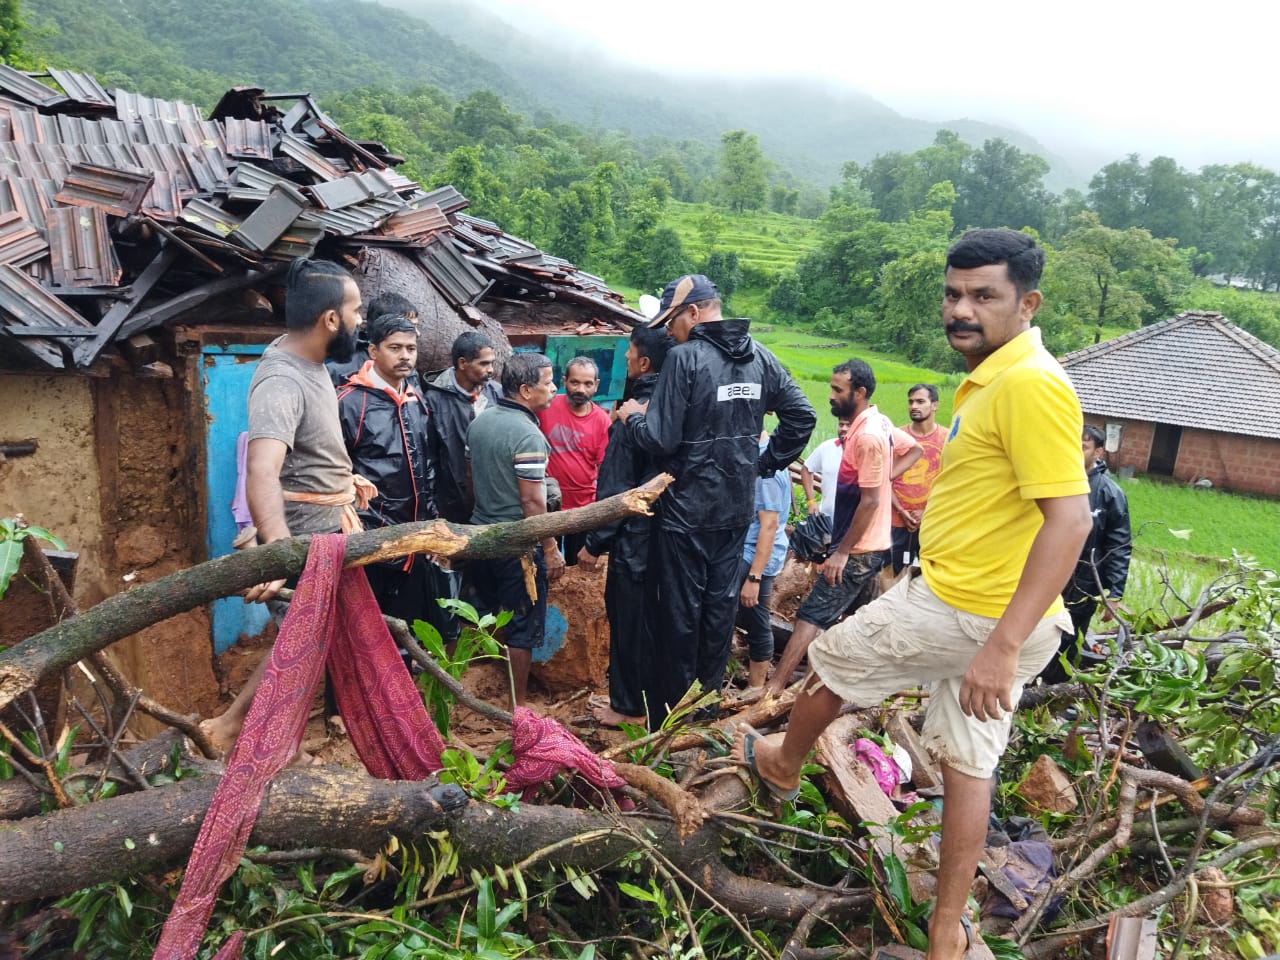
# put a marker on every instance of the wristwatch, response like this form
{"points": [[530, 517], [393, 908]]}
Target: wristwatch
{"points": [[752, 578]]}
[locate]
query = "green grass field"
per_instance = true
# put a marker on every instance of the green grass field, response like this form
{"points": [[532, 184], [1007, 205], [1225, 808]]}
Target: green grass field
{"points": [[810, 358], [1171, 518]]}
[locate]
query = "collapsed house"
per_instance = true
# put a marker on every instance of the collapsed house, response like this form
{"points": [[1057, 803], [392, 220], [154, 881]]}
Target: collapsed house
{"points": [[142, 251]]}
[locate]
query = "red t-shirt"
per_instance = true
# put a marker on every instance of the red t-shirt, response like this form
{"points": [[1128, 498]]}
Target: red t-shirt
{"points": [[577, 447]]}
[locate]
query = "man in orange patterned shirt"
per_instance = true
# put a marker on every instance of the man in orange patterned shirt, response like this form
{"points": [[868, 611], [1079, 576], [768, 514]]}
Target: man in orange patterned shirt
{"points": [[911, 490]]}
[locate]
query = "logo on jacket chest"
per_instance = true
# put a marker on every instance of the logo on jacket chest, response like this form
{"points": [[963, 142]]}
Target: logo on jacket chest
{"points": [[739, 391]]}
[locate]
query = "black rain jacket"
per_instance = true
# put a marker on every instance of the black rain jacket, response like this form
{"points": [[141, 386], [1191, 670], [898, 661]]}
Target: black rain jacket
{"points": [[1108, 545], [705, 421], [451, 416], [386, 436], [625, 465]]}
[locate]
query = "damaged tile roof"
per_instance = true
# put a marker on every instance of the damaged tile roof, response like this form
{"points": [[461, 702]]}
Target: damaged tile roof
{"points": [[118, 210], [1197, 369]]}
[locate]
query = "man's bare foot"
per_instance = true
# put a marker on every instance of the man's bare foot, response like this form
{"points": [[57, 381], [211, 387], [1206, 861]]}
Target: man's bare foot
{"points": [[763, 755], [948, 941], [606, 716], [335, 726], [222, 732]]}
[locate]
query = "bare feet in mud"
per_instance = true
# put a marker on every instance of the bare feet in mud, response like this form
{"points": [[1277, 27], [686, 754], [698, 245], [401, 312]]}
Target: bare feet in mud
{"points": [[606, 716]]}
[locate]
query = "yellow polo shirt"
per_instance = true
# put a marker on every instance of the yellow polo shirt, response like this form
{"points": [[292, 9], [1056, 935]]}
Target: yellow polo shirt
{"points": [[1014, 439]]}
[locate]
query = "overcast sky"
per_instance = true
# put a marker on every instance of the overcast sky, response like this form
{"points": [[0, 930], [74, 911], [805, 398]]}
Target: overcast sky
{"points": [[1196, 82]]}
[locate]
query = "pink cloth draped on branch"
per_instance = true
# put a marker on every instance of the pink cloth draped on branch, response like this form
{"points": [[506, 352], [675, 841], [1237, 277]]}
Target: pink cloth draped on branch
{"points": [[334, 614]]}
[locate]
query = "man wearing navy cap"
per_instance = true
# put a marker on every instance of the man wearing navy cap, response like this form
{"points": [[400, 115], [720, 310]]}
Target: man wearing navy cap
{"points": [[707, 412]]}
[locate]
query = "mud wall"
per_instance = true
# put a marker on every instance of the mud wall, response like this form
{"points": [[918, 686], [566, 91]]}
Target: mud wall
{"points": [[58, 486], [112, 477]]}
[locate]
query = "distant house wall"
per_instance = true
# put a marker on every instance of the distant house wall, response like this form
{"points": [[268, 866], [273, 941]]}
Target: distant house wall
{"points": [[1229, 461]]}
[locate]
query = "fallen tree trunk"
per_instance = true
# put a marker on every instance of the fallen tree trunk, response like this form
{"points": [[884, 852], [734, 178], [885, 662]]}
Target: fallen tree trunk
{"points": [[73, 639], [308, 807]]}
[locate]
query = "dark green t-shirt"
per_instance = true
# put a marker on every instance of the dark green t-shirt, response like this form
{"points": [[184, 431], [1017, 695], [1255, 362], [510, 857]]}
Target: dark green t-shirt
{"points": [[504, 446]]}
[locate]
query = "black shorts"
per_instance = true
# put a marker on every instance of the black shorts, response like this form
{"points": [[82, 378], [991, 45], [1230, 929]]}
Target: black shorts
{"points": [[500, 586], [826, 605], [906, 548]]}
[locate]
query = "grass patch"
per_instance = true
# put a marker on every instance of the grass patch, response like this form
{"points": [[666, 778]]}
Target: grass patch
{"points": [[810, 358], [1173, 519]]}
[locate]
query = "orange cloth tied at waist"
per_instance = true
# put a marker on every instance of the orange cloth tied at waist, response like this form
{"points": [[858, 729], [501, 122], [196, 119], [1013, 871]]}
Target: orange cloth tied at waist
{"points": [[355, 497]]}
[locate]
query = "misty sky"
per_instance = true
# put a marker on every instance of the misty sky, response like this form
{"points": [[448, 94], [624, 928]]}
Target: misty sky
{"points": [[1196, 82]]}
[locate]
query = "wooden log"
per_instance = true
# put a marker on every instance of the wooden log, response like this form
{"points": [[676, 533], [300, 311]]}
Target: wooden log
{"points": [[858, 798], [58, 647]]}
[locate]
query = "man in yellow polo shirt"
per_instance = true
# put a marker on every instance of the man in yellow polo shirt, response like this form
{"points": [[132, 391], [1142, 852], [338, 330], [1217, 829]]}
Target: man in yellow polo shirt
{"points": [[1005, 522]]}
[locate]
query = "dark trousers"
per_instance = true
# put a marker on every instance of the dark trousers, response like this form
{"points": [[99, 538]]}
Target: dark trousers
{"points": [[693, 593], [570, 544], [1081, 611], [630, 647], [906, 543], [755, 620]]}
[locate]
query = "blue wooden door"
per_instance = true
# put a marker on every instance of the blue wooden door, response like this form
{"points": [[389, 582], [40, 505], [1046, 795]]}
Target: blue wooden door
{"points": [[227, 373]]}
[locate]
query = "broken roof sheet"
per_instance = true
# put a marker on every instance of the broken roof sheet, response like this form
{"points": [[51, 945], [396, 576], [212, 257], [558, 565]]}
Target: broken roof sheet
{"points": [[24, 87], [91, 182], [83, 88]]}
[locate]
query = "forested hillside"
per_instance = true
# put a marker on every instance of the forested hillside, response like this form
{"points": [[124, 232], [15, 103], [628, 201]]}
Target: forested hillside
{"points": [[860, 259]]}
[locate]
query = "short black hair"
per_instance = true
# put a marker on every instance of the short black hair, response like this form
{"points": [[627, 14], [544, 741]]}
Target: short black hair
{"points": [[1020, 254], [1094, 435], [389, 302], [933, 391], [860, 375], [522, 370], [468, 346], [654, 343], [583, 362], [384, 325], [312, 287]]}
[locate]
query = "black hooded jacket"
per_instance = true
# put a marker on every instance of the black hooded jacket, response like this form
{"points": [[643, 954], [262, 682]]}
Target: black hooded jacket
{"points": [[705, 421], [386, 436], [451, 416], [625, 466], [1108, 544]]}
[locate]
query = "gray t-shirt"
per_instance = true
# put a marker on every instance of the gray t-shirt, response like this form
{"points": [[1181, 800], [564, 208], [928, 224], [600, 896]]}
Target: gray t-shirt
{"points": [[505, 446], [293, 400]]}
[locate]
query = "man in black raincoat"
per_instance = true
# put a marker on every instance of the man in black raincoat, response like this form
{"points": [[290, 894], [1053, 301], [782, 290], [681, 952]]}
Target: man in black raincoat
{"points": [[1103, 568], [704, 425], [626, 542], [384, 426]]}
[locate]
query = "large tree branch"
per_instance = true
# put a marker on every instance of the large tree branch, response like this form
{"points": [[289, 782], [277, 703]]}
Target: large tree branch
{"points": [[62, 645], [330, 807]]}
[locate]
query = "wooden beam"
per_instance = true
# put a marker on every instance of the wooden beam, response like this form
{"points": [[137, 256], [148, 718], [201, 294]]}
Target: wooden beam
{"points": [[113, 319]]}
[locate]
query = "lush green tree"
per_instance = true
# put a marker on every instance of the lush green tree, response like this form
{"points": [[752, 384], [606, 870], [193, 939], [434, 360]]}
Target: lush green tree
{"points": [[783, 199], [1002, 186], [742, 184], [725, 271], [1116, 192], [785, 297], [1167, 201], [465, 169], [1227, 211], [11, 28], [1107, 277]]}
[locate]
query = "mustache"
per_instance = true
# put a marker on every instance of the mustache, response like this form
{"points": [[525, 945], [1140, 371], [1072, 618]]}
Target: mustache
{"points": [[579, 397], [963, 326]]}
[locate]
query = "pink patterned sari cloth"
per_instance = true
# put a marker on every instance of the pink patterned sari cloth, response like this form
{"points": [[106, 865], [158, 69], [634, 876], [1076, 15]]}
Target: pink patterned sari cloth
{"points": [[334, 614]]}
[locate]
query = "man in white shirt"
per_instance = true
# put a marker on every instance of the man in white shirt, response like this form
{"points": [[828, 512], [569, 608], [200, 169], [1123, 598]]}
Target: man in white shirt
{"points": [[824, 463]]}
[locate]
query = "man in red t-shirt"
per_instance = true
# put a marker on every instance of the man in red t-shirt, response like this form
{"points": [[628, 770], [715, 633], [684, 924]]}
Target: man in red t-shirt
{"points": [[578, 432], [911, 490]]}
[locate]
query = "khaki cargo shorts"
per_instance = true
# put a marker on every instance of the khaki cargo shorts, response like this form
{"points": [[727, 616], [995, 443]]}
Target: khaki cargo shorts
{"points": [[909, 637]]}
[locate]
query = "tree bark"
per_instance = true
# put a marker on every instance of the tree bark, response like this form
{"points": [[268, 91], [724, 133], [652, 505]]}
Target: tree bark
{"points": [[62, 645], [330, 807]]}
